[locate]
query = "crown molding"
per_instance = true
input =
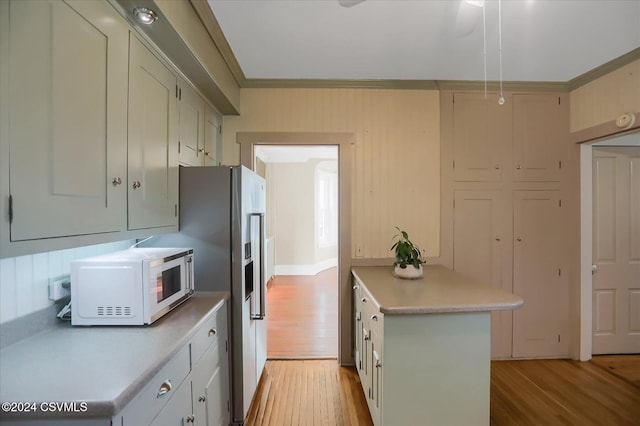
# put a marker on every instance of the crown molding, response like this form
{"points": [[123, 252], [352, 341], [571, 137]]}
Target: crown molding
{"points": [[604, 69], [302, 83], [507, 86]]}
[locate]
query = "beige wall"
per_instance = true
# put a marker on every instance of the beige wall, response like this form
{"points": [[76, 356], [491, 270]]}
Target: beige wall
{"points": [[396, 168], [606, 98], [291, 212]]}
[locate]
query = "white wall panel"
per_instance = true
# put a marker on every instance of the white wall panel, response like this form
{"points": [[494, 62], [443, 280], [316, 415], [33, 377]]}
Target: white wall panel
{"points": [[24, 280]]}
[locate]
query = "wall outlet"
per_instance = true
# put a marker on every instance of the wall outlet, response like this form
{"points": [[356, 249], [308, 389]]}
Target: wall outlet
{"points": [[59, 287]]}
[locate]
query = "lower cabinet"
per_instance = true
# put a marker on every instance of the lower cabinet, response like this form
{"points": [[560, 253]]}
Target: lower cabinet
{"points": [[192, 388], [422, 369]]}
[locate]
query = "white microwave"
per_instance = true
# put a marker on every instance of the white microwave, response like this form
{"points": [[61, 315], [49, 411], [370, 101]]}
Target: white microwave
{"points": [[130, 287]]}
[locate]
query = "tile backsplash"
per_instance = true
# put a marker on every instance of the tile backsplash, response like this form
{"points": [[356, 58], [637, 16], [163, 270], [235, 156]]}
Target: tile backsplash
{"points": [[24, 280]]}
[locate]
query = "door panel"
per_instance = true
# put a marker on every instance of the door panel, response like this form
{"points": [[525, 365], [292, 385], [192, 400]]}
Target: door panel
{"points": [[616, 252], [480, 130], [478, 252], [153, 150], [540, 327], [191, 126], [539, 125]]}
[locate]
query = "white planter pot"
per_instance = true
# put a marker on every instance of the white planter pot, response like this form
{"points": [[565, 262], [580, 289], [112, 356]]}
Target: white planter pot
{"points": [[408, 273]]}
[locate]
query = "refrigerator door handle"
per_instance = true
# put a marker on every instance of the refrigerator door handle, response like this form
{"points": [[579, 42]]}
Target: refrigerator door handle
{"points": [[263, 304]]}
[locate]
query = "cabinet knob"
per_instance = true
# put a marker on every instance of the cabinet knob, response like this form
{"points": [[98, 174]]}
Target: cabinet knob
{"points": [[355, 287], [518, 167], [498, 239], [202, 398], [497, 166], [519, 238], [201, 151], [213, 332], [116, 181], [136, 184], [374, 317], [191, 419], [208, 154], [165, 387], [378, 364], [363, 300]]}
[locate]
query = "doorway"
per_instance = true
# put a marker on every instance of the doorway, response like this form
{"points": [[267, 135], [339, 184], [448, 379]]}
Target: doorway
{"points": [[616, 250], [345, 143], [587, 262], [302, 249]]}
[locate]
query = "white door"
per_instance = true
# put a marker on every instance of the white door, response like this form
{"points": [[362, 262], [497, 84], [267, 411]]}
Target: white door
{"points": [[616, 250]]}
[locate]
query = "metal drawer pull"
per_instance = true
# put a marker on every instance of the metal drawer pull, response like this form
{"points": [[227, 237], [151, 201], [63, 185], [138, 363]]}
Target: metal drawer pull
{"points": [[202, 398], [116, 181], [165, 387], [213, 332], [191, 419], [136, 184]]}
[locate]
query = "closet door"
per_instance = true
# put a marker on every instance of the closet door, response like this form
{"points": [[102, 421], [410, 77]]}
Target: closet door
{"points": [[481, 240], [540, 327]]}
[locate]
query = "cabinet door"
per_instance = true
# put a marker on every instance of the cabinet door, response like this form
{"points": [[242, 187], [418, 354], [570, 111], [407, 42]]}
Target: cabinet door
{"points": [[375, 396], [67, 110], [540, 327], [540, 130], [481, 129], [192, 122], [211, 388], [480, 251], [153, 142], [212, 135], [177, 411], [357, 325]]}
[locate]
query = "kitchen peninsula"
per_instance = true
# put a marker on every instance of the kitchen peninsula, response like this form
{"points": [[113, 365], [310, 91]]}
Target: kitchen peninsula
{"points": [[423, 347]]}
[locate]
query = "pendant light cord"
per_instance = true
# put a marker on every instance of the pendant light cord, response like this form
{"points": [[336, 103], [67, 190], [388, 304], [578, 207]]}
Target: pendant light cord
{"points": [[501, 99], [484, 44]]}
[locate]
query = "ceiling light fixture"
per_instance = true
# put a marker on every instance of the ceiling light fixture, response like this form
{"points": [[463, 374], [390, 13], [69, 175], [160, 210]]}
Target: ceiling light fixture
{"points": [[145, 16]]}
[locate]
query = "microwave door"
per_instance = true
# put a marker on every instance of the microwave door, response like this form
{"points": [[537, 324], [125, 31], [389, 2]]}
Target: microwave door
{"points": [[258, 299]]}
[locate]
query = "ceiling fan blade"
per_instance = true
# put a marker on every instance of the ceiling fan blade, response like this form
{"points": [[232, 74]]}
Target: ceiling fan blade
{"points": [[349, 3]]}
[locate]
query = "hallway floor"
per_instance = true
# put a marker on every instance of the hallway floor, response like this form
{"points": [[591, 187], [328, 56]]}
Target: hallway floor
{"points": [[302, 314]]}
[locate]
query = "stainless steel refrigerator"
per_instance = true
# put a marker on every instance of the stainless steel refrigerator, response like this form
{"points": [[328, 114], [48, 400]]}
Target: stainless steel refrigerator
{"points": [[222, 216]]}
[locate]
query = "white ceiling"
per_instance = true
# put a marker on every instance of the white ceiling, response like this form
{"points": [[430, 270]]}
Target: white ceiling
{"points": [[542, 40]]}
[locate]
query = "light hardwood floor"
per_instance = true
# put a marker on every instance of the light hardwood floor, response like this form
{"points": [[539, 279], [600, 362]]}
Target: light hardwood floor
{"points": [[302, 316], [303, 310]]}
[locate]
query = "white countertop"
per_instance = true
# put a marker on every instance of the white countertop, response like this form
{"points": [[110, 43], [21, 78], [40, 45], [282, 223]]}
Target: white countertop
{"points": [[104, 366], [439, 291]]}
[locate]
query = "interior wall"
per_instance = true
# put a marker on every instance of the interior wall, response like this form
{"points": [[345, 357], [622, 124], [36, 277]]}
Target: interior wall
{"points": [[293, 212], [606, 98], [396, 173]]}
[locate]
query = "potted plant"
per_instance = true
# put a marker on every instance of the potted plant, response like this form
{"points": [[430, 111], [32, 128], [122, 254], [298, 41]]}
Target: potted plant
{"points": [[409, 260]]}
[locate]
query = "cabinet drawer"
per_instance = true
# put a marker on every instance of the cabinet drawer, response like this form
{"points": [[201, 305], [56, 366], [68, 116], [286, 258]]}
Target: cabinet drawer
{"points": [[143, 408], [214, 330]]}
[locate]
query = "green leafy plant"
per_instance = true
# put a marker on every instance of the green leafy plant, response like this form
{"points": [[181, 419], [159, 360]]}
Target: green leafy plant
{"points": [[407, 253]]}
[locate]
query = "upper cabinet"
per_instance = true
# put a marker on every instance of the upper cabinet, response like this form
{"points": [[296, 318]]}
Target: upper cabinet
{"points": [[212, 136], [481, 128], [192, 108], [153, 140], [539, 131], [66, 92], [522, 140], [199, 128]]}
